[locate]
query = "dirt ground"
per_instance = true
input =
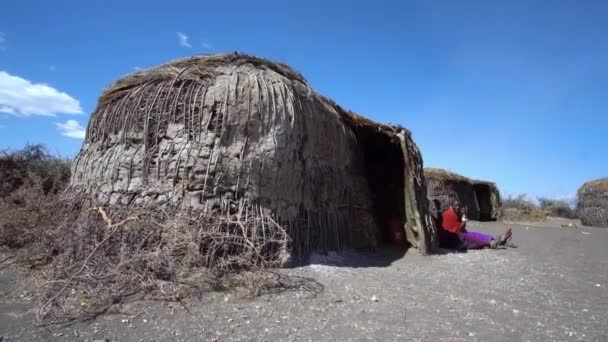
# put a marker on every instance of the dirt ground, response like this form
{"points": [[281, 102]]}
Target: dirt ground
{"points": [[554, 286]]}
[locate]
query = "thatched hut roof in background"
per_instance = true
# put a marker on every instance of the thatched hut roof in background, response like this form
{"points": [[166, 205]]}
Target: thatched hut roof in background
{"points": [[237, 132], [592, 203], [442, 174], [481, 199], [446, 186]]}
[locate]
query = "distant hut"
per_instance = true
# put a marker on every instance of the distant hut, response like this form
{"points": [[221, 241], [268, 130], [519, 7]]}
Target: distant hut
{"points": [[592, 203], [481, 199], [445, 186], [488, 200], [225, 132]]}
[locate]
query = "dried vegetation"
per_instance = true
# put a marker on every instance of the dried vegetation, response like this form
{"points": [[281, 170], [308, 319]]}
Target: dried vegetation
{"points": [[87, 259]]}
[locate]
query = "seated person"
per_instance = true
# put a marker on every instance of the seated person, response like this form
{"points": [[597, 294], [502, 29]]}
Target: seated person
{"points": [[453, 226], [446, 239]]}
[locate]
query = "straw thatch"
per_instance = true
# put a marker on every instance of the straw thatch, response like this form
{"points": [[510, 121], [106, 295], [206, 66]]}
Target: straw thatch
{"points": [[480, 199], [239, 135], [488, 200], [592, 204]]}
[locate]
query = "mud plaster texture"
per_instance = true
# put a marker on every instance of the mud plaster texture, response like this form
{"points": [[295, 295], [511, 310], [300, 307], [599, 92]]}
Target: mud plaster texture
{"points": [[214, 132]]}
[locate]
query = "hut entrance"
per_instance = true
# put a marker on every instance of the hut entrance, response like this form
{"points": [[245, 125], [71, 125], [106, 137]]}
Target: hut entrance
{"points": [[484, 200], [384, 172]]}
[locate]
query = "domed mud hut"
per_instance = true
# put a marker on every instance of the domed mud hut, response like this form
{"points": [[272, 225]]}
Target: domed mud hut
{"points": [[488, 200], [239, 136], [481, 199], [445, 186], [592, 203]]}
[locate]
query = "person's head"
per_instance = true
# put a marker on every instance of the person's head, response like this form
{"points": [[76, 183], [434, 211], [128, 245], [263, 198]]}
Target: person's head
{"points": [[456, 206]]}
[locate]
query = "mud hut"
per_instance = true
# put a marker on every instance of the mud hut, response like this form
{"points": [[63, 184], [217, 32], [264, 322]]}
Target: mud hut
{"points": [[592, 203], [481, 199], [488, 200], [240, 135], [445, 186]]}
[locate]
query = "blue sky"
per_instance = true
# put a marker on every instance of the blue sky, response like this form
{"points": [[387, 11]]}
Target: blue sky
{"points": [[511, 91]]}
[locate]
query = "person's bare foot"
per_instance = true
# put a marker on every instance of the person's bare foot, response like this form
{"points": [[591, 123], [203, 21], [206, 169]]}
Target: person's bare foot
{"points": [[506, 237]]}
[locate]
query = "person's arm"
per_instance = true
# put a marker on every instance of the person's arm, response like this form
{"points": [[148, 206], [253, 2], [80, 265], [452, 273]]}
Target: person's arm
{"points": [[463, 223], [463, 226]]}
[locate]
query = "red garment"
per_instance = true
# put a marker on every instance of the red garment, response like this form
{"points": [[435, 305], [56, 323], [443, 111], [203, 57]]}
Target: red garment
{"points": [[451, 221]]}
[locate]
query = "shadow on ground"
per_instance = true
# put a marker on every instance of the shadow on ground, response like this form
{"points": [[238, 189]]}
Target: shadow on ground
{"points": [[385, 256]]}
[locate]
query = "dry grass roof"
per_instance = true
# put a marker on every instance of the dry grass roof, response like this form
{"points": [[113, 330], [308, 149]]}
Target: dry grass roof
{"points": [[203, 67], [442, 174], [598, 184], [199, 67]]}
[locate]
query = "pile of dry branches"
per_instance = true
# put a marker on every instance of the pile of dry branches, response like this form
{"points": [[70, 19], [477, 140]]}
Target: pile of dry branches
{"points": [[108, 255], [87, 258], [90, 258]]}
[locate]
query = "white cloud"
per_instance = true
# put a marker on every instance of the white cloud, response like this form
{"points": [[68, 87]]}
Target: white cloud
{"points": [[7, 110], [71, 129], [21, 97], [182, 38]]}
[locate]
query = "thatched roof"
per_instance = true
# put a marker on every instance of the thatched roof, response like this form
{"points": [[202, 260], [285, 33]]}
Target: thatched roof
{"points": [[194, 68], [442, 174], [592, 203], [598, 185], [156, 87], [444, 186]]}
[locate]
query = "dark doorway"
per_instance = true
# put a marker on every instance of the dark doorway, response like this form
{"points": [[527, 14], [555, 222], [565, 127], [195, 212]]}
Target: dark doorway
{"points": [[484, 200], [384, 172]]}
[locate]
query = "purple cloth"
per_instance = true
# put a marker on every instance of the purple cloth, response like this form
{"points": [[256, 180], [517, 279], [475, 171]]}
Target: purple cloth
{"points": [[475, 240]]}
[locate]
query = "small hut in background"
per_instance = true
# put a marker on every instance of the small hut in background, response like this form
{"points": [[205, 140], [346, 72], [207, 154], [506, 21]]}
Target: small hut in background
{"points": [[239, 135], [592, 203], [480, 199], [444, 186]]}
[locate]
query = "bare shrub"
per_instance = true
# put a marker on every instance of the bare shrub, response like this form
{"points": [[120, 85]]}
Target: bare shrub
{"points": [[90, 258], [30, 181], [557, 207], [521, 208], [33, 166], [109, 255]]}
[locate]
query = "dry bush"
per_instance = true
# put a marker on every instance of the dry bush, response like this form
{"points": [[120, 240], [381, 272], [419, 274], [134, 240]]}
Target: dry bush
{"points": [[520, 209], [557, 207], [91, 258], [110, 254], [30, 182], [98, 257], [32, 166]]}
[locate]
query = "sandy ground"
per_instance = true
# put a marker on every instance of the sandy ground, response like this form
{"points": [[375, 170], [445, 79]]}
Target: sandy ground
{"points": [[554, 286]]}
